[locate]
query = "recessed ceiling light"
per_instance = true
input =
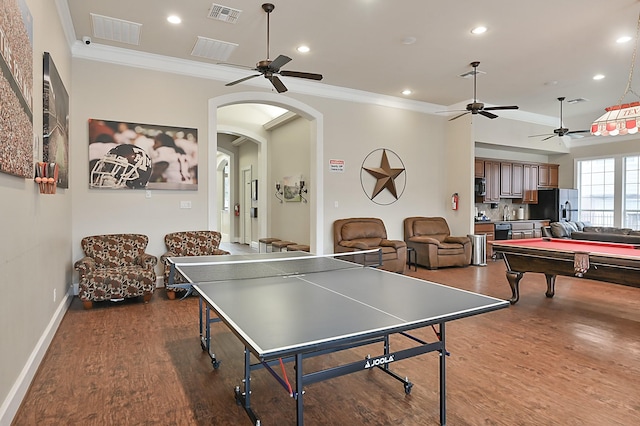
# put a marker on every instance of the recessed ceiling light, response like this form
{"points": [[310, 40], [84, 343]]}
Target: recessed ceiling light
{"points": [[598, 77], [406, 92], [409, 40], [623, 39], [479, 30], [303, 49], [174, 19]]}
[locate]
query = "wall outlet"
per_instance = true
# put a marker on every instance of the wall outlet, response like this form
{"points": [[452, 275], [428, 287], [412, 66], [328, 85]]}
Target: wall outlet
{"points": [[185, 204]]}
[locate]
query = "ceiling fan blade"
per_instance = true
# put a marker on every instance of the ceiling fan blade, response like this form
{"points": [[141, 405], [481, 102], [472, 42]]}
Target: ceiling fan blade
{"points": [[280, 87], [299, 74], [458, 116], [548, 137], [537, 136], [229, 64], [233, 83], [278, 62], [578, 131], [487, 114], [495, 108]]}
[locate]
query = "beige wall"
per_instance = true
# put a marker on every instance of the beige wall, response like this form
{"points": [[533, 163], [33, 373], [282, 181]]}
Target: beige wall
{"points": [[35, 253], [289, 147]]}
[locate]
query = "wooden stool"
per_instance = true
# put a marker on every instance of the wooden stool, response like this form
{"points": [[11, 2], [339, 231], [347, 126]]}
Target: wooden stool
{"points": [[280, 245], [267, 242], [298, 247]]}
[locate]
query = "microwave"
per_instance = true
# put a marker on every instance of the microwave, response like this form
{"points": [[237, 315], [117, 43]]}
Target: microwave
{"points": [[480, 187]]}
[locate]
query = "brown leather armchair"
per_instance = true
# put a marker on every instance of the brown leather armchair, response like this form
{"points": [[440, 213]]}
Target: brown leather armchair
{"points": [[366, 233], [435, 247]]}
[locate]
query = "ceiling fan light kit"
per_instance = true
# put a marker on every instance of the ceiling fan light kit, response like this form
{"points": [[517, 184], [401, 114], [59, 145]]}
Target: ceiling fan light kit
{"points": [[271, 69], [621, 119]]}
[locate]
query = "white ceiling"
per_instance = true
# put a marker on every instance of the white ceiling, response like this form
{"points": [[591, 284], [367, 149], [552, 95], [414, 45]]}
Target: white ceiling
{"points": [[533, 52]]}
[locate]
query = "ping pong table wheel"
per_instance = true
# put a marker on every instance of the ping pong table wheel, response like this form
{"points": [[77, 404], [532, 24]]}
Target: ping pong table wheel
{"points": [[215, 363], [407, 387]]}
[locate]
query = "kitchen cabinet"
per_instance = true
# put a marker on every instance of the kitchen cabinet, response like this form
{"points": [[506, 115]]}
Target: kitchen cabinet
{"points": [[492, 177], [530, 184], [511, 180], [479, 167], [488, 229], [548, 175]]}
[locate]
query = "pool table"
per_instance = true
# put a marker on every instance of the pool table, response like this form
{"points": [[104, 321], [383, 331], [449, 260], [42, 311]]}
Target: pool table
{"points": [[610, 262]]}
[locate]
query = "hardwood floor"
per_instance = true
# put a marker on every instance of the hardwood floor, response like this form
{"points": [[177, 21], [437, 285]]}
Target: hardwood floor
{"points": [[570, 360]]}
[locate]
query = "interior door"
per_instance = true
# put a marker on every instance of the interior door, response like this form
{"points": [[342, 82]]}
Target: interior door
{"points": [[245, 207]]}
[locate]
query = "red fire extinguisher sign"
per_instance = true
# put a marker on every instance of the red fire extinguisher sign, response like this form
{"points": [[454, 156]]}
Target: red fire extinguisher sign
{"points": [[454, 201]]}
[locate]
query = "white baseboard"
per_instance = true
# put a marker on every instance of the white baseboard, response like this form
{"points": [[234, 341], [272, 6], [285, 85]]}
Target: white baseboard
{"points": [[11, 404]]}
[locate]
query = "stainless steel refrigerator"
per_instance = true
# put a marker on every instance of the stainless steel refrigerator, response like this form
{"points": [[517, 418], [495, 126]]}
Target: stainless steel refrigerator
{"points": [[556, 205]]}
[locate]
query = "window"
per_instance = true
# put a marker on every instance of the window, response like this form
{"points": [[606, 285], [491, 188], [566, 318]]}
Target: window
{"points": [[631, 193], [596, 185]]}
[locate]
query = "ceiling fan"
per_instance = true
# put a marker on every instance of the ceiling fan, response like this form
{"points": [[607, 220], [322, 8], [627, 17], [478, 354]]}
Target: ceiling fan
{"points": [[270, 69], [561, 131], [478, 107]]}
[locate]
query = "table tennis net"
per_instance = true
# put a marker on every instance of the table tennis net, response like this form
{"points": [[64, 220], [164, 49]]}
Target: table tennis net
{"points": [[243, 269]]}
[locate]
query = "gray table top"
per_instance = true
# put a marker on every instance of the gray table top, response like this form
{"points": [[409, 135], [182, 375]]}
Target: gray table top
{"points": [[278, 316]]}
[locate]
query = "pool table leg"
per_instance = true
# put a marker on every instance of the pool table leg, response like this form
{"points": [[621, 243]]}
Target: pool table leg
{"points": [[551, 285], [514, 282]]}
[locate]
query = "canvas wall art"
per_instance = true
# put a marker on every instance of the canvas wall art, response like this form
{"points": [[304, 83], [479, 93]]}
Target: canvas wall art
{"points": [[16, 89], [291, 188], [55, 104], [125, 155]]}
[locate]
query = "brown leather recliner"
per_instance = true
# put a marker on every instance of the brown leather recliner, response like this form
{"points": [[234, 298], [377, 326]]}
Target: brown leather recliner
{"points": [[435, 247], [367, 233]]}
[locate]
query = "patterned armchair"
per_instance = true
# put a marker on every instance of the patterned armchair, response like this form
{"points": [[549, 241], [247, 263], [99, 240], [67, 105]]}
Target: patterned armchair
{"points": [[115, 267], [188, 243]]}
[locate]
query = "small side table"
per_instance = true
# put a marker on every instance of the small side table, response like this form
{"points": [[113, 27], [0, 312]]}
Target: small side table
{"points": [[412, 258]]}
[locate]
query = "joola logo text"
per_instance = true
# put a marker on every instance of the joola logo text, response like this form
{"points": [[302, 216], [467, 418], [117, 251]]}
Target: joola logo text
{"points": [[378, 361]]}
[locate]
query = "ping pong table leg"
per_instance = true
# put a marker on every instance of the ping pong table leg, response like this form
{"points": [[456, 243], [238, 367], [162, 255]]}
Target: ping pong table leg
{"points": [[244, 397], [202, 342], [299, 391], [443, 378]]}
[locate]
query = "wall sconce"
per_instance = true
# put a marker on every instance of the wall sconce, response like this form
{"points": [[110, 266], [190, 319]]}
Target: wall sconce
{"points": [[279, 192], [46, 177], [303, 190]]}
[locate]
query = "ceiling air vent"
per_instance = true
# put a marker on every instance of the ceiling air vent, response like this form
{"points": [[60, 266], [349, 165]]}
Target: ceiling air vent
{"points": [[213, 49], [224, 13], [114, 29]]}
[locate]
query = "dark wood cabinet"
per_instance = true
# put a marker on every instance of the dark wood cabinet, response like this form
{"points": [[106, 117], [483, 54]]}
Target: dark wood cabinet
{"points": [[530, 184], [492, 176], [548, 175], [506, 170], [488, 229], [511, 175], [479, 168]]}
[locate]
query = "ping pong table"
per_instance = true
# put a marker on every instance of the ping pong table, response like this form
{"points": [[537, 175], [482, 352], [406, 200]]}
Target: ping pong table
{"points": [[288, 307]]}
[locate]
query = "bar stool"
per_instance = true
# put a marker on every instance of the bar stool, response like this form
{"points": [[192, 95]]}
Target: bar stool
{"points": [[280, 245], [267, 242], [298, 247]]}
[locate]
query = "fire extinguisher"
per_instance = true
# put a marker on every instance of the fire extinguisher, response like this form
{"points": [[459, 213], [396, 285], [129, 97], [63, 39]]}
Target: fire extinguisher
{"points": [[454, 201], [236, 209]]}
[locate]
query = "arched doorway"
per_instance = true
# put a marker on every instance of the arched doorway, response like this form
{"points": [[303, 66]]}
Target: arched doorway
{"points": [[315, 161]]}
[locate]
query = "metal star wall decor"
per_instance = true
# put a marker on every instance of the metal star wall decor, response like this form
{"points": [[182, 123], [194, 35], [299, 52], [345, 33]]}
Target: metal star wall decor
{"points": [[385, 175]]}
